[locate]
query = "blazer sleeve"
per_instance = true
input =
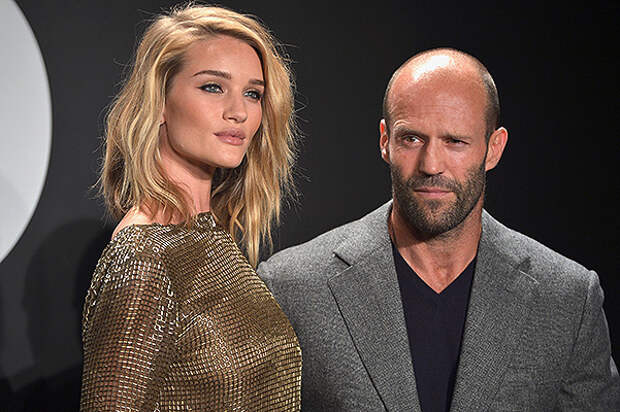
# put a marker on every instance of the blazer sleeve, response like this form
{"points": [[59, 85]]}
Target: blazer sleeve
{"points": [[591, 382], [263, 271], [128, 336]]}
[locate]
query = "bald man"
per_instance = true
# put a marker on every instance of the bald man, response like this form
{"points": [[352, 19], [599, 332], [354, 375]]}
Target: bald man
{"points": [[428, 303]]}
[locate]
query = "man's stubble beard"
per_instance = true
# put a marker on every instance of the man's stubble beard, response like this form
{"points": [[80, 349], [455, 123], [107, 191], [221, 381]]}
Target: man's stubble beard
{"points": [[432, 218]]}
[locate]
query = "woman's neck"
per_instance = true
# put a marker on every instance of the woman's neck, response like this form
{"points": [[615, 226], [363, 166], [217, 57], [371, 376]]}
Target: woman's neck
{"points": [[194, 179]]}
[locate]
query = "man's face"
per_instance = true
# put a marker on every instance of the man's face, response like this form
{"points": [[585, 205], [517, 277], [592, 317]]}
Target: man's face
{"points": [[431, 214], [437, 150]]}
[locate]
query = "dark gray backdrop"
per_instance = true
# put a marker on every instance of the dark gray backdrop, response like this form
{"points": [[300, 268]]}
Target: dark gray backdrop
{"points": [[554, 66]]}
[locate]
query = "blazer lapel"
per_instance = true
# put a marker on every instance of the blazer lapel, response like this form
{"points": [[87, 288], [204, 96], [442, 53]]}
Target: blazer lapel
{"points": [[368, 296], [498, 309]]}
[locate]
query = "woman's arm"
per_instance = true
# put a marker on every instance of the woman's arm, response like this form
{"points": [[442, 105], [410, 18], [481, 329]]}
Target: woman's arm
{"points": [[128, 335]]}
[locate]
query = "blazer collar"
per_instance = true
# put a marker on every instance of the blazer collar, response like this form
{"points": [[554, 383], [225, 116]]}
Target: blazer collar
{"points": [[498, 308], [368, 296]]}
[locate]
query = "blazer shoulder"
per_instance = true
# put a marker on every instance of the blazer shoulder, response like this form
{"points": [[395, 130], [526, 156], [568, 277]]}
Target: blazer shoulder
{"points": [[542, 263], [315, 255], [316, 258]]}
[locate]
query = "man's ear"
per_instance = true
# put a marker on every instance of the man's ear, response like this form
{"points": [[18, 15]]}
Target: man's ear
{"points": [[384, 140], [495, 147]]}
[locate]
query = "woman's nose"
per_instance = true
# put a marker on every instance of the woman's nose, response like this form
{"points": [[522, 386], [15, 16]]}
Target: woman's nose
{"points": [[235, 110]]}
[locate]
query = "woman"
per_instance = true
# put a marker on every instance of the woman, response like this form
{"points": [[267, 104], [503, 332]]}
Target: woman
{"points": [[198, 149]]}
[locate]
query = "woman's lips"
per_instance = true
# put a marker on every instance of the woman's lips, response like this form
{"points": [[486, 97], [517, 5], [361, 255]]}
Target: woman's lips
{"points": [[234, 137]]}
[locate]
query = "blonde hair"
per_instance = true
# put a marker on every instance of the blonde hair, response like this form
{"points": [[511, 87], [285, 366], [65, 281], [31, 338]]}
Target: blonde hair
{"points": [[246, 200]]}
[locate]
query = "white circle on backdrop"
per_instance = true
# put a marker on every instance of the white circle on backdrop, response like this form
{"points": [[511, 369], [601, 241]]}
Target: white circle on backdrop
{"points": [[25, 125]]}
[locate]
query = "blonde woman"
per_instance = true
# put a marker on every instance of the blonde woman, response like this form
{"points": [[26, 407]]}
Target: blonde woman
{"points": [[199, 145]]}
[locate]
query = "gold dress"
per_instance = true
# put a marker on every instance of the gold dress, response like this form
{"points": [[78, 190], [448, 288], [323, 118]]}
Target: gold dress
{"points": [[177, 320]]}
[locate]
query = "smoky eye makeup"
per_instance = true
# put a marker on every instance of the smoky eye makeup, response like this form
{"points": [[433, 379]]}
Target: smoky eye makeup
{"points": [[254, 94], [211, 87]]}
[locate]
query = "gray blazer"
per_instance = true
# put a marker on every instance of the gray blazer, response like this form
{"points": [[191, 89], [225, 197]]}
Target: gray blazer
{"points": [[535, 338]]}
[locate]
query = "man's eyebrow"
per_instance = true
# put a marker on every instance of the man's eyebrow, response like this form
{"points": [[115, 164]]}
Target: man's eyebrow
{"points": [[227, 76], [456, 137], [405, 131]]}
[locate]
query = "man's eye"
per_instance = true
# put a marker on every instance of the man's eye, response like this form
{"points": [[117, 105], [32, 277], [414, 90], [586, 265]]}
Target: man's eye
{"points": [[411, 138], [254, 94], [211, 88], [457, 141]]}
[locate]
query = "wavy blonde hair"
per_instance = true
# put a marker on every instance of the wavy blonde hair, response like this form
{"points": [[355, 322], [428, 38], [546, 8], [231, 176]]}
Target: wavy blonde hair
{"points": [[246, 200]]}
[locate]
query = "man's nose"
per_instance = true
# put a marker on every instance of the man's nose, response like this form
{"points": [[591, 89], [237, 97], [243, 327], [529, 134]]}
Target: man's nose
{"points": [[431, 161], [235, 110]]}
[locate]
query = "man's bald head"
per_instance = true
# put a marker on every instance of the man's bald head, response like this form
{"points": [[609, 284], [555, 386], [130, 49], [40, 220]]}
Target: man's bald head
{"points": [[447, 62]]}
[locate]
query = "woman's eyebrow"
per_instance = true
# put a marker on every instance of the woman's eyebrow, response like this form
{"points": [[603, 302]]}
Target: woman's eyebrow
{"points": [[217, 73], [227, 76]]}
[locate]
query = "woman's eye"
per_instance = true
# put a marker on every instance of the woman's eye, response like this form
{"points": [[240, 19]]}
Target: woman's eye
{"points": [[254, 94], [211, 88]]}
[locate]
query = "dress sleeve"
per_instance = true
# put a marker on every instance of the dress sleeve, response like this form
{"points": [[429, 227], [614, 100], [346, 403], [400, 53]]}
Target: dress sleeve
{"points": [[592, 383], [128, 335]]}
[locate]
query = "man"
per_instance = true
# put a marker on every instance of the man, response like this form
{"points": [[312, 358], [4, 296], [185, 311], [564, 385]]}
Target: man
{"points": [[428, 303]]}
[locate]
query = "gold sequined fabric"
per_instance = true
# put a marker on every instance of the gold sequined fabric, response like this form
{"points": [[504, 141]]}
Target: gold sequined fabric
{"points": [[177, 320]]}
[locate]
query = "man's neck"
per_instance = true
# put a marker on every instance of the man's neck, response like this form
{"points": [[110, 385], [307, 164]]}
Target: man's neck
{"points": [[440, 259]]}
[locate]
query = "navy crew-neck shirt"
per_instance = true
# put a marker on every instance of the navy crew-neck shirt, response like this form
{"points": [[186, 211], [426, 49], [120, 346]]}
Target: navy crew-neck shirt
{"points": [[435, 323]]}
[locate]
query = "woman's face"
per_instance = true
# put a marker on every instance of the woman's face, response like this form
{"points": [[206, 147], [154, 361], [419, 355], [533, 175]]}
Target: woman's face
{"points": [[213, 105]]}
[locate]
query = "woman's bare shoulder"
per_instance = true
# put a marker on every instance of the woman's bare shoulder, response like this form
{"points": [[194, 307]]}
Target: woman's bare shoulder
{"points": [[133, 217]]}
